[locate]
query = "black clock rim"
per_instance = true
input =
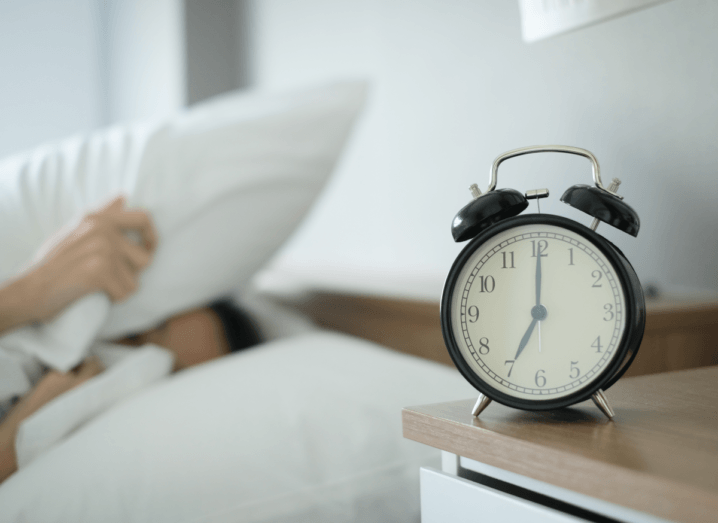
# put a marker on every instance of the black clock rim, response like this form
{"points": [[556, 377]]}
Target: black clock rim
{"points": [[627, 347]]}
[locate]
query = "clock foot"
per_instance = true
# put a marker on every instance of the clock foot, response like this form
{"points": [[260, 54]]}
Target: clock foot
{"points": [[602, 403], [481, 404]]}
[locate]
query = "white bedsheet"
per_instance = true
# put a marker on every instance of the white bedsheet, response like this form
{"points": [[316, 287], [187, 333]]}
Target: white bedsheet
{"points": [[305, 428]]}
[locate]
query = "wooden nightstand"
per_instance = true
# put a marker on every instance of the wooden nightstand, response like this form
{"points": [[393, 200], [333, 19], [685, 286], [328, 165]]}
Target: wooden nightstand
{"points": [[656, 461]]}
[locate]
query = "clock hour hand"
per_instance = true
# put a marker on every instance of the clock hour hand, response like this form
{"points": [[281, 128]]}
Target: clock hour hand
{"points": [[525, 339]]}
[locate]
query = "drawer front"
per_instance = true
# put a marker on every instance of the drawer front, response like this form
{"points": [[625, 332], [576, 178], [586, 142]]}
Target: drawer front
{"points": [[599, 508], [450, 499]]}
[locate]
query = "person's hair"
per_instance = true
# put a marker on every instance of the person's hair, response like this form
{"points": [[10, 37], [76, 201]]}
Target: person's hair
{"points": [[240, 330]]}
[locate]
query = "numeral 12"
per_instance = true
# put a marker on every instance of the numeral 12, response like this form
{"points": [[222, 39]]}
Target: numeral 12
{"points": [[542, 246]]}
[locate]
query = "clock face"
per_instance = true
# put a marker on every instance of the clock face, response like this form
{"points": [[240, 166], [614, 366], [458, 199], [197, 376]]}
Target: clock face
{"points": [[537, 312]]}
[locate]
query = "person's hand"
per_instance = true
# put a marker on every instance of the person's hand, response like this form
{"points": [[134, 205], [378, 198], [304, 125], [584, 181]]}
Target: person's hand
{"points": [[96, 255]]}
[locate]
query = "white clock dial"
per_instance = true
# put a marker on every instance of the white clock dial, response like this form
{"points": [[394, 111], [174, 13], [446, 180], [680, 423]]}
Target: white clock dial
{"points": [[538, 312]]}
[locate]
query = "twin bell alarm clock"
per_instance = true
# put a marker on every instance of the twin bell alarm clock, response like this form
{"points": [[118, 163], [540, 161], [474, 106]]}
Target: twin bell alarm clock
{"points": [[539, 311]]}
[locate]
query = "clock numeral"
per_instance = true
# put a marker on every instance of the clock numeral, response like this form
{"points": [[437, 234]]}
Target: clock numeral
{"points": [[598, 275], [542, 246], [484, 346], [507, 362], [473, 314], [574, 368], [540, 379], [505, 258], [570, 256], [609, 312], [597, 344], [488, 284]]}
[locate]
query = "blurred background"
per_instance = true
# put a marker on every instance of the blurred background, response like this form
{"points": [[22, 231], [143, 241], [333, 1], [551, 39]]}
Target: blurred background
{"points": [[453, 85]]}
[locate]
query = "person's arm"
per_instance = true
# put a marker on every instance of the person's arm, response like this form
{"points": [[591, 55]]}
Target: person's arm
{"points": [[49, 387], [16, 302], [95, 256]]}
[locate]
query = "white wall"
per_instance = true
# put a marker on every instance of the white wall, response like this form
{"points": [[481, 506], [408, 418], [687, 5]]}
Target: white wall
{"points": [[71, 66], [49, 67], [454, 86], [145, 59]]}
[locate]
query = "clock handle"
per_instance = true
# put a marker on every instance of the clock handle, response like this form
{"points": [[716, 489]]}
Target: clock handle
{"points": [[595, 169]]}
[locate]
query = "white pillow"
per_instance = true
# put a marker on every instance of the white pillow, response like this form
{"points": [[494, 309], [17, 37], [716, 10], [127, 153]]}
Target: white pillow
{"points": [[226, 183], [126, 371], [301, 429], [239, 174]]}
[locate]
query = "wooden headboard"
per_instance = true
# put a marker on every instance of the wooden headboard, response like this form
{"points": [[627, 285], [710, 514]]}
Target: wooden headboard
{"points": [[680, 334]]}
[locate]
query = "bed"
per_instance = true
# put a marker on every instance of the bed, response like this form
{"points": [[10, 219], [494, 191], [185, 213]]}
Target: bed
{"points": [[303, 427]]}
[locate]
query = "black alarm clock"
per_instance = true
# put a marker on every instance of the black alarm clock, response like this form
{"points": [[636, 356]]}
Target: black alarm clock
{"points": [[539, 311]]}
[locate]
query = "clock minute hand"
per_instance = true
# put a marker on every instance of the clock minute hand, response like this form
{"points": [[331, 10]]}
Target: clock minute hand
{"points": [[538, 277], [538, 291], [525, 339]]}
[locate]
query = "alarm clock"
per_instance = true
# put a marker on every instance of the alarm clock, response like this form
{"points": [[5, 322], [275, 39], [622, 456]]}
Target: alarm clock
{"points": [[539, 311]]}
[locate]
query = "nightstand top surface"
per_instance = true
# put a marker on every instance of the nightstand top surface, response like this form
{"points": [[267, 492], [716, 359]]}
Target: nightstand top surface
{"points": [[659, 455]]}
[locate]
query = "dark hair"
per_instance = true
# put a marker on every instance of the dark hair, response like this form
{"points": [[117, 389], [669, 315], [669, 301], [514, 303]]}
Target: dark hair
{"points": [[240, 330]]}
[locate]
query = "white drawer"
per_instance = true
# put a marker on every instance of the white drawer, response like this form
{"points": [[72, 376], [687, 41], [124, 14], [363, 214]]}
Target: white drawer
{"points": [[450, 499], [598, 507]]}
